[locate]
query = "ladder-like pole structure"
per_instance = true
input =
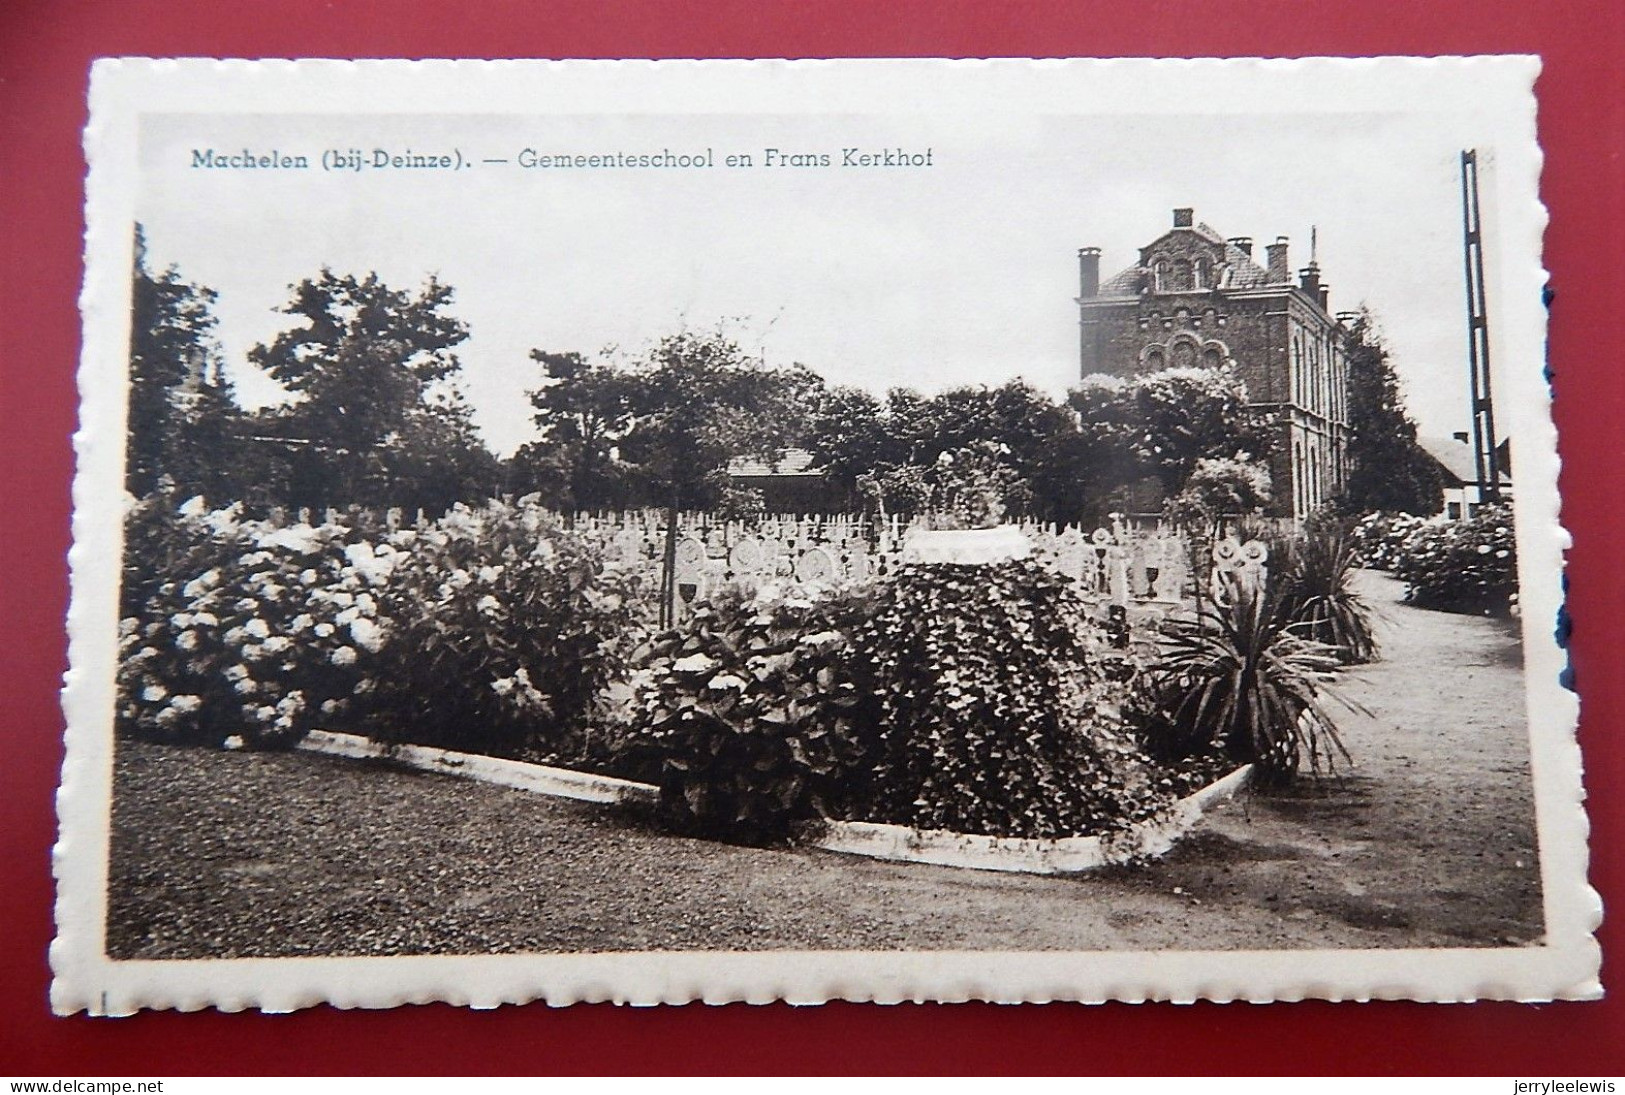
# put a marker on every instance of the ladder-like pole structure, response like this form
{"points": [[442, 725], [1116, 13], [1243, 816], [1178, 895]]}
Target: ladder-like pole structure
{"points": [[1486, 462]]}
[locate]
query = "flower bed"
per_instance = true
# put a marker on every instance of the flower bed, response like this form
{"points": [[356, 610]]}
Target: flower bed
{"points": [[968, 699], [494, 630]]}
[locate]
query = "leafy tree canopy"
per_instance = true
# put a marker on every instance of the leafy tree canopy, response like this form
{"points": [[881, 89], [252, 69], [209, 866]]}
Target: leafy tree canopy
{"points": [[584, 409], [1389, 471], [181, 412], [696, 402], [1161, 424], [376, 417]]}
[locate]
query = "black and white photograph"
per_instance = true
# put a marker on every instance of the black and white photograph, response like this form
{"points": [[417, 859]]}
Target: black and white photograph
{"points": [[847, 530]]}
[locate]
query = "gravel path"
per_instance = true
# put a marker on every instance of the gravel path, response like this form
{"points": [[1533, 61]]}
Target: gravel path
{"points": [[1429, 843]]}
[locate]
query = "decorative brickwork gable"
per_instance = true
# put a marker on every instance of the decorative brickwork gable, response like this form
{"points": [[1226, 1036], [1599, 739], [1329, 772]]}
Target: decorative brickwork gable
{"points": [[1197, 298]]}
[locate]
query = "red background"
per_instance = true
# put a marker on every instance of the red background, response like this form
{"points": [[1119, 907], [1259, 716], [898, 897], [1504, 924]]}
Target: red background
{"points": [[45, 52]]}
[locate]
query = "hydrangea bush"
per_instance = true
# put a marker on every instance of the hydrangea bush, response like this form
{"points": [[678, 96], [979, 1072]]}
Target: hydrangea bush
{"points": [[493, 630], [750, 718], [1379, 538], [1463, 566], [508, 635], [252, 634]]}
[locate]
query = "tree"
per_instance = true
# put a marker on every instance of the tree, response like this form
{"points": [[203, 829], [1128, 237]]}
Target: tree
{"points": [[1389, 471], [583, 410], [437, 458], [1161, 425], [850, 436], [890, 445], [181, 412], [694, 403], [376, 417], [1014, 415]]}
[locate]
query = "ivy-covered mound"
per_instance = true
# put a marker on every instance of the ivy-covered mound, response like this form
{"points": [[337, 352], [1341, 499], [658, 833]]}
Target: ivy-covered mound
{"points": [[965, 698], [994, 716]]}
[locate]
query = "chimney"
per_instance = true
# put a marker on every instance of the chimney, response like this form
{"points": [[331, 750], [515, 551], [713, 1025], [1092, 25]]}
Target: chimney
{"points": [[1088, 272], [1184, 218], [1460, 435], [1244, 244], [1309, 280], [1280, 269], [1325, 297], [1348, 319]]}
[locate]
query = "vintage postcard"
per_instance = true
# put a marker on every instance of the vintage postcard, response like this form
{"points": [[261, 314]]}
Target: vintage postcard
{"points": [[830, 530]]}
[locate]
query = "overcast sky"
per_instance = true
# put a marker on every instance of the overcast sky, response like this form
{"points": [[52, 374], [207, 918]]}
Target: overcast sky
{"points": [[960, 273]]}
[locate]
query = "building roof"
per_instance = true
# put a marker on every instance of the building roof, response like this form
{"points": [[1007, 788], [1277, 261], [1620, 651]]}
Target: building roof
{"points": [[1244, 272], [794, 462], [1456, 458]]}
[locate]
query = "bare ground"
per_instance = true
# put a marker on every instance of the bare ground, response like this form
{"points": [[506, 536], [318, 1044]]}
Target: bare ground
{"points": [[1429, 841]]}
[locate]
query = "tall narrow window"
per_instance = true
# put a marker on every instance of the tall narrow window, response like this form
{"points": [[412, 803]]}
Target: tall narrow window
{"points": [[1297, 370], [1299, 487]]}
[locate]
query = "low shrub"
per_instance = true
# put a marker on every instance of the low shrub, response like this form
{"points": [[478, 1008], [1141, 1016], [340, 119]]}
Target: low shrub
{"points": [[1316, 574], [1463, 566], [749, 717], [507, 635], [1238, 682], [994, 716], [246, 633]]}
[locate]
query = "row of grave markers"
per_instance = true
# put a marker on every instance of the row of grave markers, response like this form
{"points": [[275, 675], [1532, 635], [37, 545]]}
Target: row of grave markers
{"points": [[1126, 565], [1146, 567]]}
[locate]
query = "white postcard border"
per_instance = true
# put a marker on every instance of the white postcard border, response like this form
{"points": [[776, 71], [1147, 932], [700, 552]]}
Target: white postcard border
{"points": [[122, 90]]}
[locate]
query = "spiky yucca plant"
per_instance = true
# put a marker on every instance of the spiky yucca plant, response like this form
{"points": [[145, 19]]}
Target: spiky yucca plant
{"points": [[1317, 576], [1239, 679]]}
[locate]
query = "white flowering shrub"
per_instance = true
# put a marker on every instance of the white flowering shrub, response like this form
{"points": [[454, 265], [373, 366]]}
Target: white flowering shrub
{"points": [[252, 633], [1462, 566], [508, 635], [1379, 538]]}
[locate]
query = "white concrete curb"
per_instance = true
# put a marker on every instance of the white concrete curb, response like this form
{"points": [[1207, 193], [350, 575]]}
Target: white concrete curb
{"points": [[1062, 855], [897, 843], [558, 782]]}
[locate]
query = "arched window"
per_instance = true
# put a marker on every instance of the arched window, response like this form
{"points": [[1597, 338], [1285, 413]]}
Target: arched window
{"points": [[1204, 272], [1159, 275], [1184, 354], [1211, 358], [1154, 360], [1298, 484]]}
